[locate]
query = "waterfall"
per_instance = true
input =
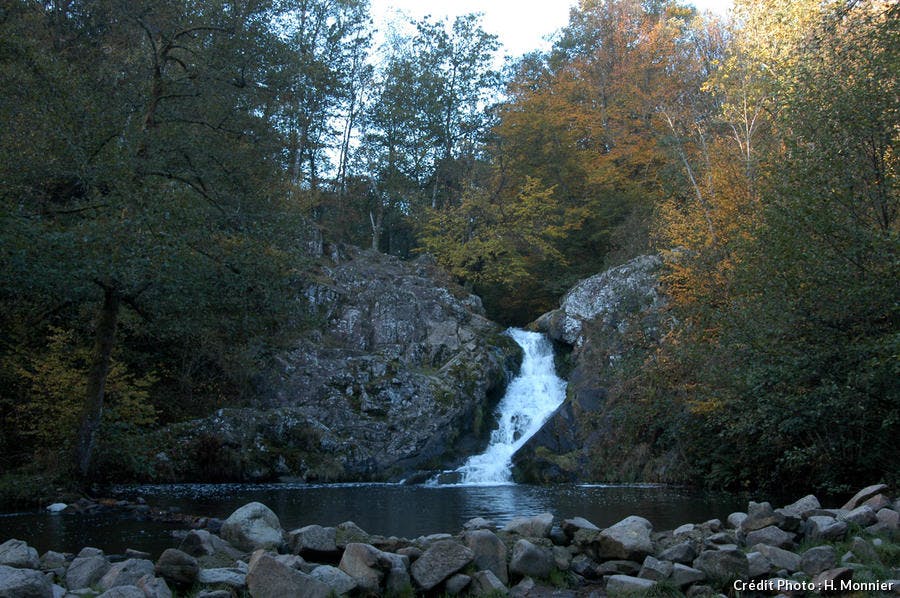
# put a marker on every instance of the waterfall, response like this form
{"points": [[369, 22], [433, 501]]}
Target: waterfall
{"points": [[530, 400]]}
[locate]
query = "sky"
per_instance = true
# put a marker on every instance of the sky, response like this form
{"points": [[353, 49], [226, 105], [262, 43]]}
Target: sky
{"points": [[522, 25]]}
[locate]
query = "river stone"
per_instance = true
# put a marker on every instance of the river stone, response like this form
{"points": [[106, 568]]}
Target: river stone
{"points": [[862, 516], [478, 523], [253, 526], [723, 564], [562, 558], [682, 575], [832, 578], [350, 533], [313, 540], [24, 583], [619, 567], [529, 560], [214, 594], [456, 584], [628, 539], [229, 576], [760, 515], [772, 536], [489, 552], [85, 571], [864, 550], [126, 573], [736, 519], [177, 567], [822, 527], [864, 495], [818, 559], [199, 543], [270, 578], [440, 561], [52, 560], [486, 583], [780, 558], [89, 551], [683, 552], [586, 567], [804, 506], [888, 519], [154, 587], [758, 564], [625, 584], [127, 591], [360, 561], [537, 526], [878, 502], [655, 569], [16, 553], [334, 578], [570, 526]]}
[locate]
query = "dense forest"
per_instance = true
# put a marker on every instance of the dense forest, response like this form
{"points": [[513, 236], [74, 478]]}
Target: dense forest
{"points": [[163, 164]]}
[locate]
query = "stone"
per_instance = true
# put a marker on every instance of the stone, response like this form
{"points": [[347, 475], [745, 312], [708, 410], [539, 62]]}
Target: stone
{"points": [[772, 536], [570, 526], [350, 533], [16, 582], [780, 558], [586, 567], [822, 527], [683, 576], [712, 525], [334, 578], [619, 567], [684, 530], [625, 584], [878, 502], [270, 578], [760, 515], [489, 552], [89, 551], [131, 553], [486, 583], [888, 519], [832, 578], [154, 587], [85, 571], [57, 507], [126, 573], [722, 538], [200, 543], [683, 552], [441, 560], [723, 564], [253, 526], [655, 569], [862, 516], [818, 559], [16, 553], [736, 519], [126, 591], [529, 560], [478, 523], [52, 560], [791, 523], [228, 576], [360, 561], [537, 526], [456, 584], [398, 581], [214, 594], [803, 507], [628, 539], [758, 565], [864, 495], [864, 551], [177, 567], [313, 540], [562, 558]]}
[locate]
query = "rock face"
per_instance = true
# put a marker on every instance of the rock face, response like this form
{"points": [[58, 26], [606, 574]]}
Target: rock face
{"points": [[401, 372], [597, 320]]}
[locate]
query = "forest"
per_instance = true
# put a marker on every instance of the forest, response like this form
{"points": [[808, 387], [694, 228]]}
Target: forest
{"points": [[163, 164]]}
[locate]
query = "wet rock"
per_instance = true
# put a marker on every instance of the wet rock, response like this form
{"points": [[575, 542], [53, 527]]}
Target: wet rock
{"points": [[537, 526], [441, 560], [818, 559], [529, 560], [489, 552], [16, 553], [126, 573], [864, 495], [177, 567], [334, 578], [16, 582], [624, 584], [270, 578], [628, 539], [253, 526]]}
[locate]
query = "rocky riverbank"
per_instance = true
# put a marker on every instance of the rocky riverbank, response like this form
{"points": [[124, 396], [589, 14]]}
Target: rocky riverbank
{"points": [[798, 550]]}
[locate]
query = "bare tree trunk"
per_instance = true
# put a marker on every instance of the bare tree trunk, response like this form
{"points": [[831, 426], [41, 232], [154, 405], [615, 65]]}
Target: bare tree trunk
{"points": [[96, 384]]}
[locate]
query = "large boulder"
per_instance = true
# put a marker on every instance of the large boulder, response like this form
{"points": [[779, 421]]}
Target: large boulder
{"points": [[334, 578], [16, 553], [24, 583], [268, 577], [253, 526], [85, 571], [313, 540], [177, 567], [537, 526], [530, 560], [724, 564], [489, 552], [126, 573], [440, 561], [363, 563], [628, 539]]}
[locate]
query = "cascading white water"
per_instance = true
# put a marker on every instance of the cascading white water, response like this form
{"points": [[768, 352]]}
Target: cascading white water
{"points": [[530, 399]]}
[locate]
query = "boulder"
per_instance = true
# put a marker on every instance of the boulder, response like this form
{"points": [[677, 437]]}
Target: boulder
{"points": [[177, 567], [85, 571], [683, 552], [200, 543], [24, 583], [772, 536], [683, 576], [253, 526], [334, 578], [864, 550], [625, 584], [862, 516], [126, 573], [736, 519], [456, 584], [313, 540], [586, 567], [441, 560], [270, 578], [804, 506], [16, 553], [864, 495], [478, 523], [489, 552], [360, 561], [529, 560], [537, 526], [570, 526], [350, 533], [154, 587], [780, 558], [655, 569], [486, 583], [759, 565], [126, 591], [823, 527], [760, 515], [878, 502], [723, 564], [832, 578], [228, 576], [818, 559], [888, 520], [628, 539]]}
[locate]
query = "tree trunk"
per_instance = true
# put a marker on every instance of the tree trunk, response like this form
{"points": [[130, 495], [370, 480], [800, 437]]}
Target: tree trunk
{"points": [[93, 401]]}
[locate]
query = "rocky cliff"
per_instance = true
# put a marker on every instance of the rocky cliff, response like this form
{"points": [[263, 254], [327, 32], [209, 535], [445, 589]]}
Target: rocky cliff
{"points": [[600, 320], [401, 373]]}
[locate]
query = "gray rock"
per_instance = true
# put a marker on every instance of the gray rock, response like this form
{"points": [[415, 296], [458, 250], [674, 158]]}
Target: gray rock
{"points": [[562, 558], [818, 559], [723, 564], [489, 551], [131, 553], [350, 533], [655, 569], [570, 526], [864, 550], [361, 562], [16, 553], [529, 560], [683, 552], [24, 583], [177, 567], [722, 538], [478, 523], [586, 567], [228, 576], [89, 551], [684, 530], [253, 526], [334, 578], [456, 584], [485, 582], [398, 581], [780, 558], [126, 573], [628, 539], [313, 540], [619, 567], [537, 526], [736, 519], [154, 587], [214, 594], [864, 495], [759, 565], [878, 502], [832, 578], [819, 527], [85, 571], [441, 560], [772, 536], [760, 515], [888, 520], [625, 584], [683, 576], [270, 578], [862, 516], [126, 591], [804, 506]]}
